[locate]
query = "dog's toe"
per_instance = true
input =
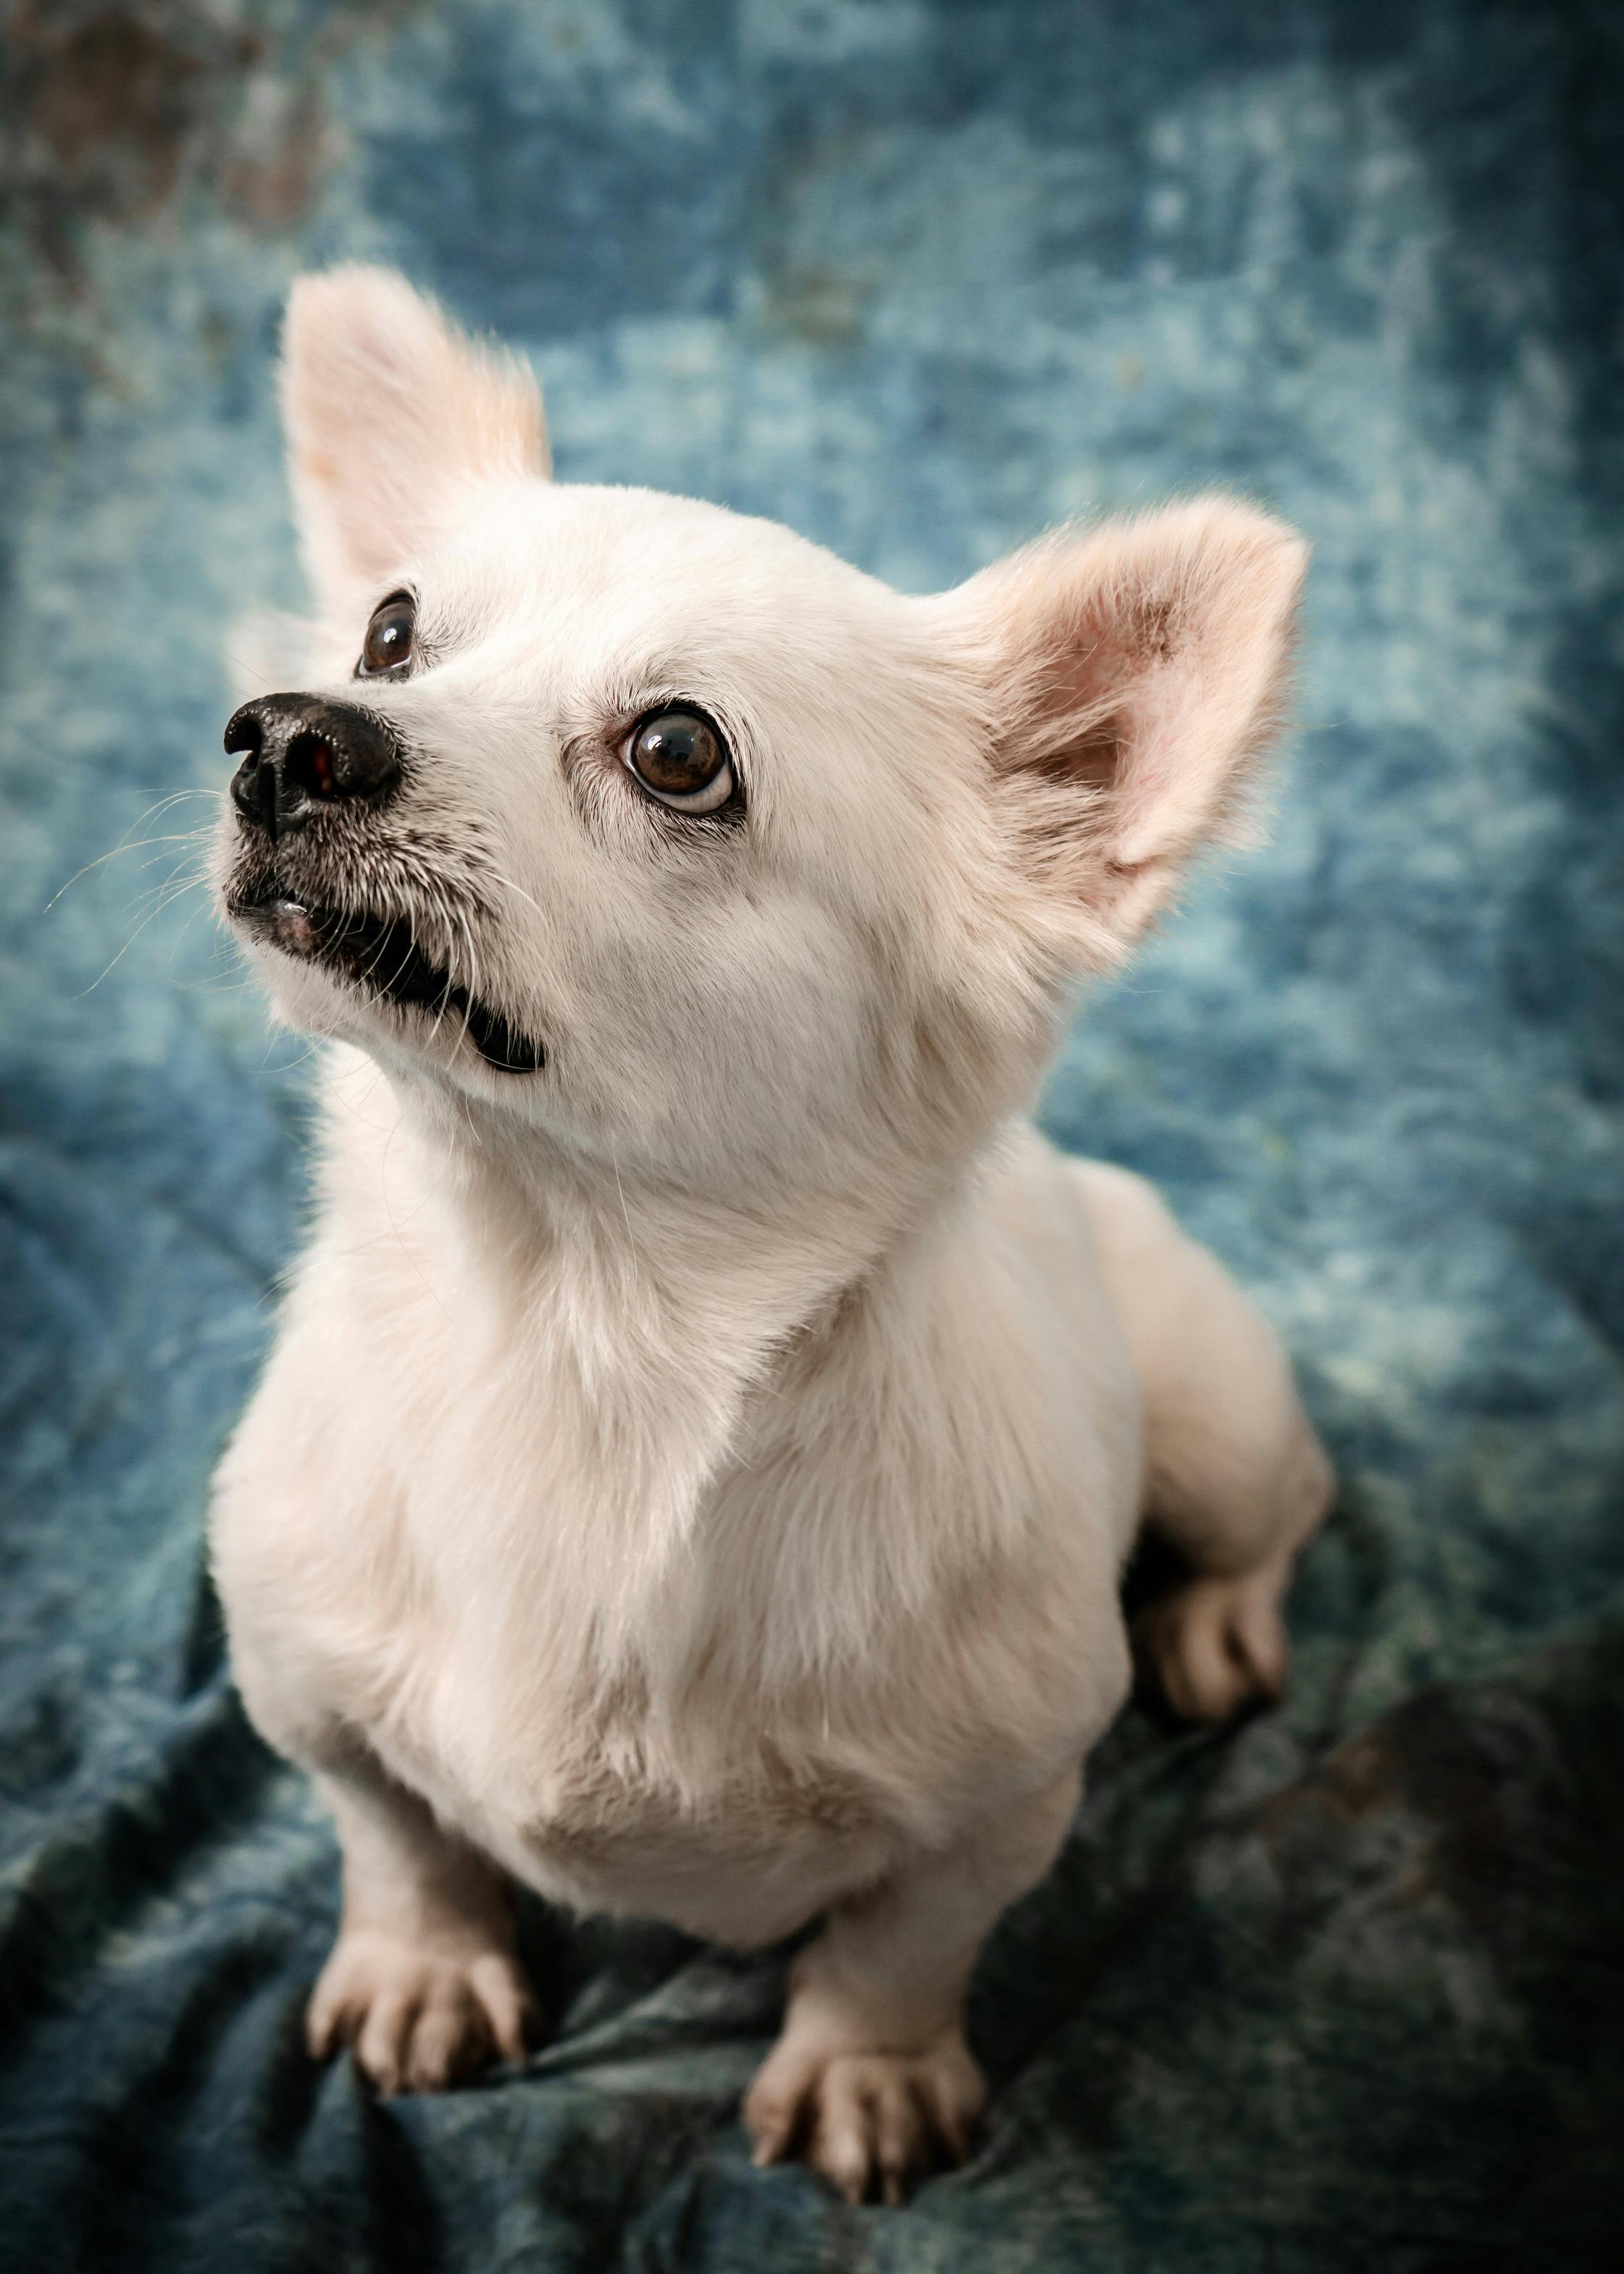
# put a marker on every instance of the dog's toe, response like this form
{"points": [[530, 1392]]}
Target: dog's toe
{"points": [[874, 2124], [419, 2018], [1215, 1645]]}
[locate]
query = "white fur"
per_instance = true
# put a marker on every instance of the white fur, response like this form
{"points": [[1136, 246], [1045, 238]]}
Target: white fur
{"points": [[694, 1478]]}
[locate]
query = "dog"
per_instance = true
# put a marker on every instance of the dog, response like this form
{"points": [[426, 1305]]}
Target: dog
{"points": [[708, 1423]]}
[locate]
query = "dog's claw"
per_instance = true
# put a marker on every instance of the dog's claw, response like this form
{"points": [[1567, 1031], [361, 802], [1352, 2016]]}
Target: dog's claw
{"points": [[1216, 1644], [418, 2018], [874, 2124]]}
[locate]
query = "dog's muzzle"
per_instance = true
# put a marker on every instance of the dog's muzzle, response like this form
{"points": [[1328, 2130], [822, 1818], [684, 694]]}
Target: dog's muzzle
{"points": [[303, 755]]}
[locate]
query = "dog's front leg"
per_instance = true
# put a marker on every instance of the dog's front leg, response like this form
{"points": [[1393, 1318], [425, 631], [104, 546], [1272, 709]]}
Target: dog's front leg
{"points": [[423, 1982], [871, 2080]]}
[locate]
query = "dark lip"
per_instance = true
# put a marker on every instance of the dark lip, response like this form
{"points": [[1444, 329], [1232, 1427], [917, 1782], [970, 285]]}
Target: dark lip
{"points": [[382, 958]]}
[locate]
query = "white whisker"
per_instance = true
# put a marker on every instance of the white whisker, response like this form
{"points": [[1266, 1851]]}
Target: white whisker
{"points": [[139, 845], [498, 878], [473, 978]]}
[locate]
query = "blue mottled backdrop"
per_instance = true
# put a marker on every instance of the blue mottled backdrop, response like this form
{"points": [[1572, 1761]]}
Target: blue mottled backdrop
{"points": [[1342, 1989]]}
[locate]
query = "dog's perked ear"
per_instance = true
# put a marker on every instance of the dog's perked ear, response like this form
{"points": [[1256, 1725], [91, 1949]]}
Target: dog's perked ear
{"points": [[391, 415], [1134, 675]]}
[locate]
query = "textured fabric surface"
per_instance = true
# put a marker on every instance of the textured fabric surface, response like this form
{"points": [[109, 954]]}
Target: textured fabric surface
{"points": [[1341, 1988]]}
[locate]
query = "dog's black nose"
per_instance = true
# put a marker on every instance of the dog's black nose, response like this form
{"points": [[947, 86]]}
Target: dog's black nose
{"points": [[300, 752]]}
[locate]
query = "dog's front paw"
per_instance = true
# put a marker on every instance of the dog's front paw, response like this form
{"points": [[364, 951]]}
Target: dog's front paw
{"points": [[1216, 1644], [419, 2016], [873, 2123]]}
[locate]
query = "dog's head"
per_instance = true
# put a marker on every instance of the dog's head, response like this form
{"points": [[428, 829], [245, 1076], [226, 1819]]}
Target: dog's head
{"points": [[661, 830]]}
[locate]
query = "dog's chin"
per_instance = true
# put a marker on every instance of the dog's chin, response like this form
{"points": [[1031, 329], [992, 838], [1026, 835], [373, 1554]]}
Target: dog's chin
{"points": [[377, 959]]}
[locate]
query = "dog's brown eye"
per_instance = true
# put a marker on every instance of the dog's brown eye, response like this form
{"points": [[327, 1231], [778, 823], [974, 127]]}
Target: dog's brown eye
{"points": [[679, 758], [389, 638]]}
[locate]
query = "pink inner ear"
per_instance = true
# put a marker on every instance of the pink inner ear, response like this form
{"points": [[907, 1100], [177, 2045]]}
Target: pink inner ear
{"points": [[1116, 688], [1145, 663], [1103, 727]]}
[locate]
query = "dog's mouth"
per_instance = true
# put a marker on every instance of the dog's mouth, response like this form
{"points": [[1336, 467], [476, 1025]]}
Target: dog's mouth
{"points": [[379, 956]]}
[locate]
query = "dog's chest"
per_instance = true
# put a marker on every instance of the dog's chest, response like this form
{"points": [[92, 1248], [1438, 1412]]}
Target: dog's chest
{"points": [[689, 1809], [613, 1699]]}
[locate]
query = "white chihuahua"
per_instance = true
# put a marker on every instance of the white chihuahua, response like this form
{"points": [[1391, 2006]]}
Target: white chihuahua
{"points": [[708, 1424]]}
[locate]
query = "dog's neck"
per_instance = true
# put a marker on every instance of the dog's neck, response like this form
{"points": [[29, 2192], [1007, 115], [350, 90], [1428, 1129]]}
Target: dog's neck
{"points": [[630, 1264], [649, 1344]]}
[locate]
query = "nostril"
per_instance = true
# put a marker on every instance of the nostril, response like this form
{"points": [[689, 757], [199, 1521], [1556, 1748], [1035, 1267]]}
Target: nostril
{"points": [[244, 734], [311, 767]]}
